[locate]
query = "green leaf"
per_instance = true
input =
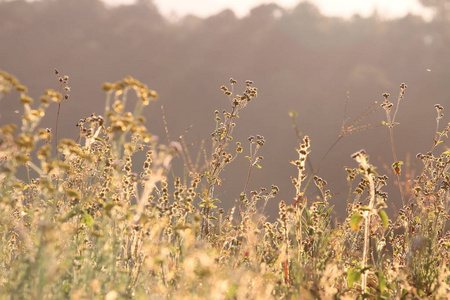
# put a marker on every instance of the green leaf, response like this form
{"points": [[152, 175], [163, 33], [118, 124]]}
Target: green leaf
{"points": [[210, 205], [397, 166], [258, 166], [355, 221], [365, 208], [384, 218], [397, 163], [329, 211], [353, 276], [381, 281], [87, 219], [101, 140], [75, 211], [308, 215]]}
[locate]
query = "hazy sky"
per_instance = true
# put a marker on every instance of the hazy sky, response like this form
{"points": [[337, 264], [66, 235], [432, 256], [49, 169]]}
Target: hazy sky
{"points": [[388, 8]]}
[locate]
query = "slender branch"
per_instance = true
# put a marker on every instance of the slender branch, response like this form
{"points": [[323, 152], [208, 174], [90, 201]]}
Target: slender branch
{"points": [[56, 128]]}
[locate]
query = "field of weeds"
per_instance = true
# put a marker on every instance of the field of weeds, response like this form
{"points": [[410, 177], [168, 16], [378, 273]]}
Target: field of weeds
{"points": [[87, 222]]}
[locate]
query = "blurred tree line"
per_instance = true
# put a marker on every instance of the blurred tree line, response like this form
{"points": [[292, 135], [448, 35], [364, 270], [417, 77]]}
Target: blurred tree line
{"points": [[298, 58]]}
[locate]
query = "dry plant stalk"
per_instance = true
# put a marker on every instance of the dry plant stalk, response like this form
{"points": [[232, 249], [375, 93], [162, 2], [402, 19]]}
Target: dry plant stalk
{"points": [[300, 199], [387, 106], [367, 170]]}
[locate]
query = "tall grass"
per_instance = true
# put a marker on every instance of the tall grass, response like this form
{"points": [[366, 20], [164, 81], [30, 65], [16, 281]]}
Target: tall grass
{"points": [[88, 223]]}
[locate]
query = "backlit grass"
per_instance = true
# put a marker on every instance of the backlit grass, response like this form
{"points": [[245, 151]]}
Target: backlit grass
{"points": [[87, 222]]}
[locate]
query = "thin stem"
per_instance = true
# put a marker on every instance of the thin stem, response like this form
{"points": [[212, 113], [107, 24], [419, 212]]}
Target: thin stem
{"points": [[391, 123], [321, 162], [252, 162], [400, 97], [56, 128], [394, 154], [361, 159], [345, 130], [367, 215], [248, 177]]}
